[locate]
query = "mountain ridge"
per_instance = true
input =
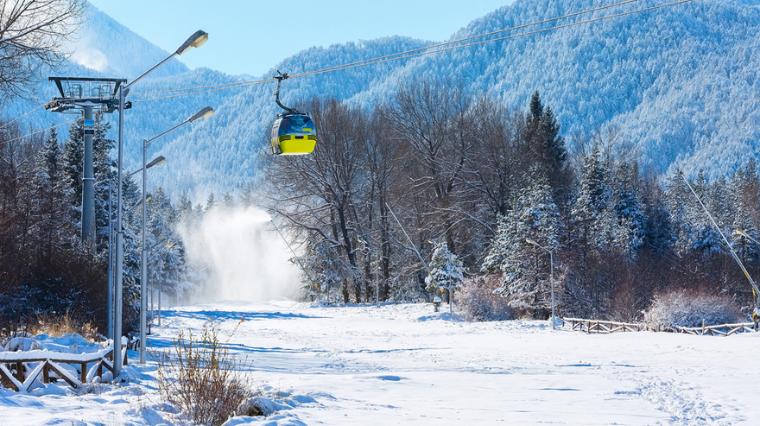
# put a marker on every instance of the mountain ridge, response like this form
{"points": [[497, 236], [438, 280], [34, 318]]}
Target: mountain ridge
{"points": [[674, 88]]}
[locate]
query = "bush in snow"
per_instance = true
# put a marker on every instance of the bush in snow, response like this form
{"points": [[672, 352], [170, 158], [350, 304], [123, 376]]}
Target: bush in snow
{"points": [[681, 308], [480, 302], [199, 377], [446, 271], [59, 325]]}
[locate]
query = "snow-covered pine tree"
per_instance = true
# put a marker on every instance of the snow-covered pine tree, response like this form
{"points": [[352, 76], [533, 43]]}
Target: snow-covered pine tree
{"points": [[500, 244], [445, 272], [131, 226], [587, 213], [631, 220], [546, 144], [704, 238], [50, 225], [210, 202], [166, 253], [72, 163], [526, 268], [105, 179], [679, 202], [228, 201], [325, 271]]}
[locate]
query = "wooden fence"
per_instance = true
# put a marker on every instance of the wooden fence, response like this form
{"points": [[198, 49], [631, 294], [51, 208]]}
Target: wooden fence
{"points": [[20, 370], [597, 326], [604, 327], [716, 330]]}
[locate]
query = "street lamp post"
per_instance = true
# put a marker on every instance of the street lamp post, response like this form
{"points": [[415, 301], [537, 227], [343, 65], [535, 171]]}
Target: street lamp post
{"points": [[195, 40], [551, 279], [202, 114], [755, 293], [744, 234]]}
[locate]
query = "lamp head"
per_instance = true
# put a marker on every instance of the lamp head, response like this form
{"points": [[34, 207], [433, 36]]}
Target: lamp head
{"points": [[204, 114], [195, 40], [156, 162]]}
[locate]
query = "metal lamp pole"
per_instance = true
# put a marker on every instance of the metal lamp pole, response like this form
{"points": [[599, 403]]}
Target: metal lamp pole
{"points": [[204, 113], [744, 234], [551, 279], [195, 40]]}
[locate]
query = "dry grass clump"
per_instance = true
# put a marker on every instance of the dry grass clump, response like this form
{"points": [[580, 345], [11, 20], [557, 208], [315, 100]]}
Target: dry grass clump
{"points": [[199, 377], [59, 325]]}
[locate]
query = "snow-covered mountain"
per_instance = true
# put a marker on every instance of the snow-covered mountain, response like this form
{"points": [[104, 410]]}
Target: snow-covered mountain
{"points": [[676, 86], [104, 45]]}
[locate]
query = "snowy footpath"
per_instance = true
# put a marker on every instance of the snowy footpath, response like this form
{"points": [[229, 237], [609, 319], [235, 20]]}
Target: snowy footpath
{"points": [[402, 364]]}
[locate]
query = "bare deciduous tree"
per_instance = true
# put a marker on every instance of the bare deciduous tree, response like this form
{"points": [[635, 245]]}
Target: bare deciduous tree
{"points": [[31, 34]]}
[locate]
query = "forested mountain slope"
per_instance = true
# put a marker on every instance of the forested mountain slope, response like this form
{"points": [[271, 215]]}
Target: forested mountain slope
{"points": [[672, 87]]}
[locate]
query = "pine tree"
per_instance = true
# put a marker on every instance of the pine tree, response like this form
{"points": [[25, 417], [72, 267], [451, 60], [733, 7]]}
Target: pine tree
{"points": [[630, 217], [210, 202], [228, 200], [746, 186], [500, 244], [166, 253], [48, 200], [72, 164], [588, 212], [525, 267], [679, 204], [526, 279], [131, 232], [705, 238], [105, 179], [445, 272], [325, 271], [547, 146]]}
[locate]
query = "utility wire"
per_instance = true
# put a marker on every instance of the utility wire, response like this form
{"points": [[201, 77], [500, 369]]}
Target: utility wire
{"points": [[440, 47]]}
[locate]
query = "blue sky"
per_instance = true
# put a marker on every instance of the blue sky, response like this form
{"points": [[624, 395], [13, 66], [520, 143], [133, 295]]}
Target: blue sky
{"points": [[250, 36]]}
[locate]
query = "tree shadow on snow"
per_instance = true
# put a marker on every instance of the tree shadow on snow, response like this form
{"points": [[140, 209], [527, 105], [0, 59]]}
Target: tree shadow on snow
{"points": [[235, 315]]}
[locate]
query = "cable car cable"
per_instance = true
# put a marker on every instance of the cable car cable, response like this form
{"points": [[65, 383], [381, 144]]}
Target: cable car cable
{"points": [[435, 49], [468, 38]]}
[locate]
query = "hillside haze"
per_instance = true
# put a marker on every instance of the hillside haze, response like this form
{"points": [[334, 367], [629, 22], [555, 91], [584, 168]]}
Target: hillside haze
{"points": [[675, 87]]}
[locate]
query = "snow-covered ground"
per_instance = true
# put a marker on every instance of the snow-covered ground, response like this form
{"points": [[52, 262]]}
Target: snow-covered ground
{"points": [[402, 364]]}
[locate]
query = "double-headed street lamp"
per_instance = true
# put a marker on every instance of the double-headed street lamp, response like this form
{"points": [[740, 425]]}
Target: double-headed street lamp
{"points": [[551, 279], [195, 40], [202, 114]]}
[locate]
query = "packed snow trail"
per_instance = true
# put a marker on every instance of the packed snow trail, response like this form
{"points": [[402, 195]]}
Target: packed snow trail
{"points": [[403, 364]]}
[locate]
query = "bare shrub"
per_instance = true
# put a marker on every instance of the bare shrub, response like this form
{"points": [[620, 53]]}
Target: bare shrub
{"points": [[682, 308], [479, 303], [199, 377]]}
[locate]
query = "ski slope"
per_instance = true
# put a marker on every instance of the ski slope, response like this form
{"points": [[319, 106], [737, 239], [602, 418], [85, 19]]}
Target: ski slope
{"points": [[402, 364]]}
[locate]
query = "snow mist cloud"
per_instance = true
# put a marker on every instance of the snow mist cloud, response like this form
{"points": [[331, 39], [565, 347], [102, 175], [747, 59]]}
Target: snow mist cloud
{"points": [[241, 255]]}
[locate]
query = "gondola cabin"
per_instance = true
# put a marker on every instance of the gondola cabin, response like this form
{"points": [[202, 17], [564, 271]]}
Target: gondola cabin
{"points": [[293, 134]]}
